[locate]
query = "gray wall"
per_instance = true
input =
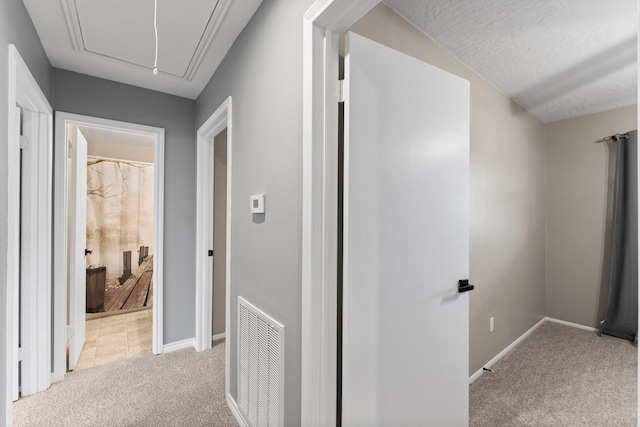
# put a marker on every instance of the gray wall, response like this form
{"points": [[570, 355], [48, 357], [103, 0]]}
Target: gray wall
{"points": [[16, 28], [263, 73], [219, 232], [579, 178], [507, 249], [91, 96]]}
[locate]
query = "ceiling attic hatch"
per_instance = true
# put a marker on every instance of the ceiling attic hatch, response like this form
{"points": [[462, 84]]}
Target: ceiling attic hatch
{"points": [[122, 30], [115, 39]]}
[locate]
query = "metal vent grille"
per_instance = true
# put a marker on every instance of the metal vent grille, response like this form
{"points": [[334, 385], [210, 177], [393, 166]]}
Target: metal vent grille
{"points": [[260, 366]]}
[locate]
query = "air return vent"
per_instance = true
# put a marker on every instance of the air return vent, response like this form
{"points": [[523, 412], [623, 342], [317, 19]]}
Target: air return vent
{"points": [[260, 366]]}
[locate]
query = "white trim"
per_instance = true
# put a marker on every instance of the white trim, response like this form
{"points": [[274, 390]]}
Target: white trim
{"points": [[573, 325], [179, 345], [477, 374], [219, 120], [233, 407], [322, 24], [70, 11], [60, 228], [207, 37], [217, 337], [511, 346], [23, 91], [506, 350]]}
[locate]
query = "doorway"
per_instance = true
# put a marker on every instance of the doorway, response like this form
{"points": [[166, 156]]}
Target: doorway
{"points": [[219, 235], [110, 181], [214, 218], [119, 245]]}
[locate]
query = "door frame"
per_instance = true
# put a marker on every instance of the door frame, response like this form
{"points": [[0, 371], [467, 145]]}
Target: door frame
{"points": [[322, 25], [25, 92], [216, 123], [63, 120]]}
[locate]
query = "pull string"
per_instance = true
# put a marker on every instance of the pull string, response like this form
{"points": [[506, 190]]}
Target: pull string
{"points": [[155, 27]]}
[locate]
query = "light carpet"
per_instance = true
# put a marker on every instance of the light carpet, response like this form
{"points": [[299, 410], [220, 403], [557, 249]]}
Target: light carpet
{"points": [[182, 388], [559, 376]]}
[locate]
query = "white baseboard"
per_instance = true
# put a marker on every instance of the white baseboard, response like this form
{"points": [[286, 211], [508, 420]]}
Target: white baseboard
{"points": [[500, 355], [507, 349], [179, 345], [218, 336], [573, 325], [233, 406]]}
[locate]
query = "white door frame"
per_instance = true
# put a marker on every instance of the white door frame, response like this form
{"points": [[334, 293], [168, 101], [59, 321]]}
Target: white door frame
{"points": [[322, 25], [215, 124], [63, 120], [25, 92]]}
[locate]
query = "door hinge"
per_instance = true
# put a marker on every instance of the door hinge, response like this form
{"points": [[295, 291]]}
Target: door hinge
{"points": [[69, 332], [24, 142], [23, 354], [342, 90]]}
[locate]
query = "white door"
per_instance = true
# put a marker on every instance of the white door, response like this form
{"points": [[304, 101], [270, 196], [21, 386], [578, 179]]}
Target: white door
{"points": [[406, 241], [77, 243]]}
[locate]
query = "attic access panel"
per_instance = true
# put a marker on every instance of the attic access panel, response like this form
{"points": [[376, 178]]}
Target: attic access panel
{"points": [[123, 30]]}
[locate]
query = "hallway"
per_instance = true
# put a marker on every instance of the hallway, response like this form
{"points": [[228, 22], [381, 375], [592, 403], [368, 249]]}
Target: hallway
{"points": [[116, 337], [181, 388]]}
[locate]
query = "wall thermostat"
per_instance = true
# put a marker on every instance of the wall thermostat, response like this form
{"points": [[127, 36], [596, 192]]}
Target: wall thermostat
{"points": [[257, 203]]}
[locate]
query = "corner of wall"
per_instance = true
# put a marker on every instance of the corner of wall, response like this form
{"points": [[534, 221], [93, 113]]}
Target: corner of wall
{"points": [[577, 185], [546, 211]]}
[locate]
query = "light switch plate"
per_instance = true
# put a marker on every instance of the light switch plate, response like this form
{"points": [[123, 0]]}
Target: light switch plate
{"points": [[257, 203]]}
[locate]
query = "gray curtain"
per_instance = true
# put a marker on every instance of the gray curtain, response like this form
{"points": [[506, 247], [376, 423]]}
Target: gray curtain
{"points": [[622, 312]]}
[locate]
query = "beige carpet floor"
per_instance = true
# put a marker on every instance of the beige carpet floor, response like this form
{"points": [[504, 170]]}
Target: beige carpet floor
{"points": [[183, 388], [560, 376]]}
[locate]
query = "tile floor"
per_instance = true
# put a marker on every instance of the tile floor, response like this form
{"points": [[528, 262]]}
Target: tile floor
{"points": [[115, 337]]}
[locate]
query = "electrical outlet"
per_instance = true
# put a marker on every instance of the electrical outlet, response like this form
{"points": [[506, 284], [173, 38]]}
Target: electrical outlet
{"points": [[491, 324]]}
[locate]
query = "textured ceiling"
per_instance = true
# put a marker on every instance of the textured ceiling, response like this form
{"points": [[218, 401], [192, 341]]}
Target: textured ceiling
{"points": [[556, 58], [114, 39]]}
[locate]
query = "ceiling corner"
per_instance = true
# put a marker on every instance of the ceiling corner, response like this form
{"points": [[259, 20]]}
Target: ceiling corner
{"points": [[70, 11]]}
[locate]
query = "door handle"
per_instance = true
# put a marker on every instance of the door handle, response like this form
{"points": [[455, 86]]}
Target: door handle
{"points": [[87, 252], [464, 286]]}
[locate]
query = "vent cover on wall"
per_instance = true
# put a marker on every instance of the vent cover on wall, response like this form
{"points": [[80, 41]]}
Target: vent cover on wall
{"points": [[260, 366]]}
